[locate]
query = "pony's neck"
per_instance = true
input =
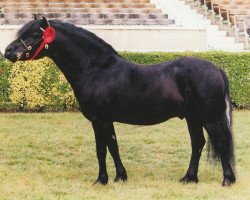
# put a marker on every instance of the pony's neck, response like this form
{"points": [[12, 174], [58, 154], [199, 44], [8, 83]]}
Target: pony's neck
{"points": [[76, 55]]}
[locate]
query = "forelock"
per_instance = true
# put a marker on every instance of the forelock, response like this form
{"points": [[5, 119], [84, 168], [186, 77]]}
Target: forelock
{"points": [[28, 28]]}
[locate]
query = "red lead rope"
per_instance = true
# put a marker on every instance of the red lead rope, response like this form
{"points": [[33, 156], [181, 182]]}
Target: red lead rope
{"points": [[49, 35]]}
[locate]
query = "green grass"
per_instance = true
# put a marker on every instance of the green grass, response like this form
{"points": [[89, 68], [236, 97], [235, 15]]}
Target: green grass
{"points": [[52, 156]]}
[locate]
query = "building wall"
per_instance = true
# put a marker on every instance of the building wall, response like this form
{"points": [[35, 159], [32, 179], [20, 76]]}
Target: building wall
{"points": [[136, 38]]}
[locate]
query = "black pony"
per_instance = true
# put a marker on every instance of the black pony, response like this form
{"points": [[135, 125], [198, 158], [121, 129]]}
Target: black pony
{"points": [[111, 89]]}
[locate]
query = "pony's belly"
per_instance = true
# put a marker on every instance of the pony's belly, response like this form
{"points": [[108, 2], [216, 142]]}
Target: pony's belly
{"points": [[144, 118], [141, 121], [147, 113]]}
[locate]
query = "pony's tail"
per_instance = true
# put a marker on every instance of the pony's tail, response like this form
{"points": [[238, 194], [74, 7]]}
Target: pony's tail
{"points": [[220, 133]]}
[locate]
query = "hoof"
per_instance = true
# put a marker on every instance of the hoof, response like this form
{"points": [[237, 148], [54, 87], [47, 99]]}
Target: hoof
{"points": [[227, 182], [121, 177], [101, 181], [189, 179]]}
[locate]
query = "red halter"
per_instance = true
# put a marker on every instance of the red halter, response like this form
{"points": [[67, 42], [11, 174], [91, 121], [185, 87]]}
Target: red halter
{"points": [[49, 35]]}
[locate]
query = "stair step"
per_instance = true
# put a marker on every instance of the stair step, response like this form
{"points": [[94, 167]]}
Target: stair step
{"points": [[217, 37]]}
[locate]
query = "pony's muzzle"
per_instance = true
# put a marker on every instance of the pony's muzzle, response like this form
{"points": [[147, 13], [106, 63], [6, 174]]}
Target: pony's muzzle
{"points": [[9, 50], [9, 53]]}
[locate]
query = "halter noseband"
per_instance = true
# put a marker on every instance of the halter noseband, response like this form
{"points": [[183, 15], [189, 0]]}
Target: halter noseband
{"points": [[48, 37]]}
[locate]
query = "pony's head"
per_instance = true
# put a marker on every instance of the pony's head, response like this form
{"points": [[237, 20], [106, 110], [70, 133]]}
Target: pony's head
{"points": [[31, 41]]}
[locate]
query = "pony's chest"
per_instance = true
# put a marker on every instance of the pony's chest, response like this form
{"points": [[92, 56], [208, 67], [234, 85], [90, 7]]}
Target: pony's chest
{"points": [[96, 108]]}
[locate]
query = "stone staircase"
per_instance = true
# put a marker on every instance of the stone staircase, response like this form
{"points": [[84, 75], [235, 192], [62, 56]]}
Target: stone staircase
{"points": [[84, 12], [188, 17]]}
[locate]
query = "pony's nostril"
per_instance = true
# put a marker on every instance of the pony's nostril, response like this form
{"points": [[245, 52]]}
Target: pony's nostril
{"points": [[9, 50]]}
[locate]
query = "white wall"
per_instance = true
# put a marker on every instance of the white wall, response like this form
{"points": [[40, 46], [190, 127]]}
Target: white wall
{"points": [[136, 38], [6, 36]]}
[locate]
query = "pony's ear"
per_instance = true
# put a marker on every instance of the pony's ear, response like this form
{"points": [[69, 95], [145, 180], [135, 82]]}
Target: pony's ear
{"points": [[45, 22], [35, 17]]}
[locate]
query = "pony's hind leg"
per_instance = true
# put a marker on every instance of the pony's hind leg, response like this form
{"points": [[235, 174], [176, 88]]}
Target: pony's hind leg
{"points": [[197, 142], [222, 143]]}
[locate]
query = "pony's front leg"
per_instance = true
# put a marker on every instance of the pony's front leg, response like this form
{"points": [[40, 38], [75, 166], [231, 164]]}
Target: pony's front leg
{"points": [[101, 151], [121, 173], [105, 136]]}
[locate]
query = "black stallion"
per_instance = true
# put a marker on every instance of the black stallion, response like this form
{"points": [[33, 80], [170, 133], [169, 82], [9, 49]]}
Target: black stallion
{"points": [[111, 89]]}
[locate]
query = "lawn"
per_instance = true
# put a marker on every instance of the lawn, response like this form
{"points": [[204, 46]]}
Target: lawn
{"points": [[52, 156]]}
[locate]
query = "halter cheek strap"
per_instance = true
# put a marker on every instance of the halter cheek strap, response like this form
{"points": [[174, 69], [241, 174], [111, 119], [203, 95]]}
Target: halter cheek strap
{"points": [[49, 35]]}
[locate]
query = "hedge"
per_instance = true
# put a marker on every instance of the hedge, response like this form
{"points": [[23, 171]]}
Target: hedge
{"points": [[40, 86], [37, 85]]}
